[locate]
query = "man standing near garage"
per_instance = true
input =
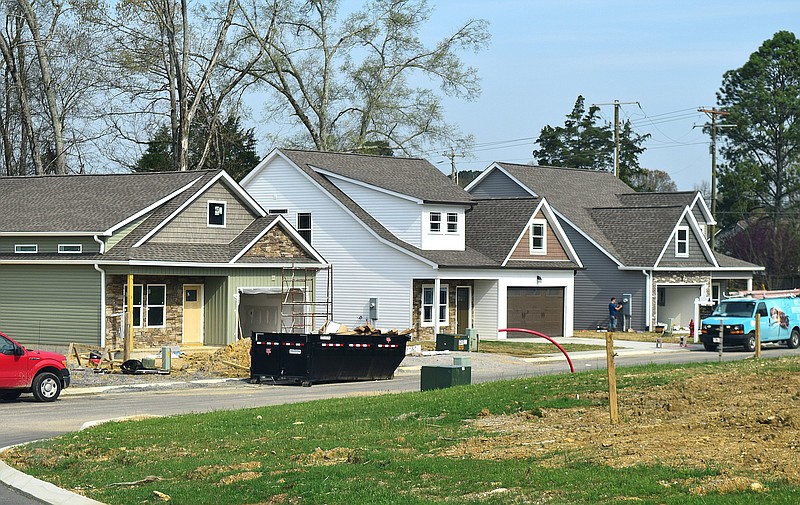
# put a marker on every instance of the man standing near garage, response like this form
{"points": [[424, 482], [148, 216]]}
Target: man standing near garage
{"points": [[613, 308]]}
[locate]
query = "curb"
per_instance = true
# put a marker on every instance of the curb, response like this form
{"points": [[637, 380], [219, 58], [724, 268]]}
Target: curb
{"points": [[39, 489], [143, 385]]}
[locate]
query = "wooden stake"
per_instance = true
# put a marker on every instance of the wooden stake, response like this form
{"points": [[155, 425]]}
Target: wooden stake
{"points": [[612, 378], [758, 336]]}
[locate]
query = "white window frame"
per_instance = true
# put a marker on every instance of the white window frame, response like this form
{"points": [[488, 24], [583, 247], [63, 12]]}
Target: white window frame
{"points": [[452, 219], [224, 204], [301, 231], [435, 225], [538, 250], [70, 248], [444, 308], [163, 306], [678, 242], [135, 305], [20, 248]]}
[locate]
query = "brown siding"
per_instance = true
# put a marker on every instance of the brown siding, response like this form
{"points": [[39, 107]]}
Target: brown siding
{"points": [[276, 244], [191, 226], [554, 249]]}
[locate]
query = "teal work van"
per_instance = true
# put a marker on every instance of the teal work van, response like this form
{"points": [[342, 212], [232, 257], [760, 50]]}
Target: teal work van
{"points": [[780, 322]]}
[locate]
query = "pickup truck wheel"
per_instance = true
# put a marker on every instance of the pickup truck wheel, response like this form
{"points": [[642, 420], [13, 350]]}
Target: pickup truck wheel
{"points": [[750, 343], [794, 339], [10, 396], [46, 387], [710, 347]]}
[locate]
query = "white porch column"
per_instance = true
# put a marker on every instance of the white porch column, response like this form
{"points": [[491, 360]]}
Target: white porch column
{"points": [[750, 284], [437, 286]]}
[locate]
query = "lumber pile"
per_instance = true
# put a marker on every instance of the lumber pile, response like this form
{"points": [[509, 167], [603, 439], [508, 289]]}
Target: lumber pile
{"points": [[365, 329]]}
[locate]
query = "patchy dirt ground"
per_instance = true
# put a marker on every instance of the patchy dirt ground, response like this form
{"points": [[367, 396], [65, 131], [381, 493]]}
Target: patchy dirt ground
{"points": [[744, 423]]}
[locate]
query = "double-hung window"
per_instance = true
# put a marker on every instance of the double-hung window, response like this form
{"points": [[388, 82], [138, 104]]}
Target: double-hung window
{"points": [[428, 305], [682, 241], [436, 222], [304, 225], [538, 244], [154, 305], [137, 303], [452, 222]]}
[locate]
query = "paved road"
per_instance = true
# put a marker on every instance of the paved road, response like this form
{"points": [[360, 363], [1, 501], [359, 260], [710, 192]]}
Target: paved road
{"points": [[27, 420]]}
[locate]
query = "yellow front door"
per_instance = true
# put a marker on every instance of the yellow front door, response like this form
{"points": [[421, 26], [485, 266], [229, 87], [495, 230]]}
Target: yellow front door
{"points": [[192, 313]]}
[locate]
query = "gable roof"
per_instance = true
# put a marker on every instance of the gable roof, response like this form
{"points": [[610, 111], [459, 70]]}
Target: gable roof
{"points": [[405, 180], [86, 204], [632, 228], [413, 177]]}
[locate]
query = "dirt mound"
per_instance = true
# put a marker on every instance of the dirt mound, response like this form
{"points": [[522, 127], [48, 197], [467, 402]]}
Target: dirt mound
{"points": [[233, 360], [743, 422]]}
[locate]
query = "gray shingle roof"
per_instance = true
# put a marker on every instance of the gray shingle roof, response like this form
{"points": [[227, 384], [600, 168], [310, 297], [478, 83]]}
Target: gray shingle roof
{"points": [[638, 233], [413, 177], [83, 203]]}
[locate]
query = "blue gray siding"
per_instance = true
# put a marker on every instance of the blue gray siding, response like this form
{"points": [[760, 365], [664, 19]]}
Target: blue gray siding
{"points": [[498, 185], [599, 281]]}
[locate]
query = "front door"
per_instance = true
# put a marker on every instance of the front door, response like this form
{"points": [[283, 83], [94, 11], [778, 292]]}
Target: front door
{"points": [[463, 309], [192, 313]]}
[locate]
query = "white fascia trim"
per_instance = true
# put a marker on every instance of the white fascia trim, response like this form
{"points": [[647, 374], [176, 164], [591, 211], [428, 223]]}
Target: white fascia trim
{"points": [[496, 166], [703, 208], [355, 218], [551, 219], [227, 180], [149, 208], [299, 241], [592, 241], [239, 191], [363, 184], [687, 211]]}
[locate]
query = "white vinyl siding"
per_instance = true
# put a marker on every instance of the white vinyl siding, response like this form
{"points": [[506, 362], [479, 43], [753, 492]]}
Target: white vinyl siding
{"points": [[363, 267], [445, 228]]}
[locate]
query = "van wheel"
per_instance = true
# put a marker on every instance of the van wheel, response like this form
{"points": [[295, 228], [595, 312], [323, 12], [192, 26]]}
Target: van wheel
{"points": [[710, 347], [750, 343], [794, 339], [46, 387]]}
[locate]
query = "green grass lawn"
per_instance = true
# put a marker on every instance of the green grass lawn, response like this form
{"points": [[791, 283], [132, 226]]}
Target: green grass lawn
{"points": [[384, 449]]}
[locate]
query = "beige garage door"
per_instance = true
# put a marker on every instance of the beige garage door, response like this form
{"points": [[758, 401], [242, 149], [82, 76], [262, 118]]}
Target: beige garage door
{"points": [[538, 309]]}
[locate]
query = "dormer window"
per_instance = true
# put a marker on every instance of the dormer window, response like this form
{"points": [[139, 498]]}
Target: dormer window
{"points": [[26, 249], [538, 242], [436, 222], [682, 241], [216, 214], [70, 248], [452, 222]]}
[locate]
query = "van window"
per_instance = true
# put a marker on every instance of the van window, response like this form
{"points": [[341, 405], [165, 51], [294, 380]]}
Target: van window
{"points": [[762, 310], [734, 309]]}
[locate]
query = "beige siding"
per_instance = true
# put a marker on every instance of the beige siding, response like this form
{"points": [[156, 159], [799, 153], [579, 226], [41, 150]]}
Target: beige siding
{"points": [[124, 231], [50, 305], [555, 251], [191, 226]]}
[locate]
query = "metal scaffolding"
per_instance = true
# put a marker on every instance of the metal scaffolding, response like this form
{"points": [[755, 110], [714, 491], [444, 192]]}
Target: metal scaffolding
{"points": [[303, 307]]}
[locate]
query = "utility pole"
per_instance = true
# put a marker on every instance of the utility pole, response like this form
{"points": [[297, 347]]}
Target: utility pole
{"points": [[713, 113], [452, 155], [616, 104]]}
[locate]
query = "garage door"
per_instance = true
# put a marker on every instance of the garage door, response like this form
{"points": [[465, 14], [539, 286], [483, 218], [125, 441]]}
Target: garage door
{"points": [[538, 309]]}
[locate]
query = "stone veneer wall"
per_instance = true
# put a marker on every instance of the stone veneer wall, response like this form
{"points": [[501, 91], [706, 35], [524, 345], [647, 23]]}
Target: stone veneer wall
{"points": [[171, 333], [276, 244], [674, 278], [426, 332]]}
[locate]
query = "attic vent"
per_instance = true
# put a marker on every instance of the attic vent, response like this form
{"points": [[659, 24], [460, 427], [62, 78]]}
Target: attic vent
{"points": [[278, 211]]}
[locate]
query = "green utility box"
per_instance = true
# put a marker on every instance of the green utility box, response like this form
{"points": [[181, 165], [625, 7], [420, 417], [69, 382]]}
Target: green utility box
{"points": [[450, 342], [439, 377]]}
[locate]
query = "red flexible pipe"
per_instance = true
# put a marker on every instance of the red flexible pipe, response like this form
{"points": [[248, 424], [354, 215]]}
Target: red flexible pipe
{"points": [[571, 368]]}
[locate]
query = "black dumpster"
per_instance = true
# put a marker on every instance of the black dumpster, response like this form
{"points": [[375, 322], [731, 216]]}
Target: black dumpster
{"points": [[307, 358], [451, 342]]}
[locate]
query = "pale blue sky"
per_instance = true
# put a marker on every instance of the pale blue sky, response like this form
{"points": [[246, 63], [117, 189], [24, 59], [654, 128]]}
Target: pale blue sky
{"points": [[668, 56]]}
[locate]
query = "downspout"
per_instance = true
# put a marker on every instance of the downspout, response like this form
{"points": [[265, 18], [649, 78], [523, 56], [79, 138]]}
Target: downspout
{"points": [[102, 293], [649, 297]]}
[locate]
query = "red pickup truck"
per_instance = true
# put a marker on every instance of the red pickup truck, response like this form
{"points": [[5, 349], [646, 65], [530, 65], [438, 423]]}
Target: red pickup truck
{"points": [[42, 373]]}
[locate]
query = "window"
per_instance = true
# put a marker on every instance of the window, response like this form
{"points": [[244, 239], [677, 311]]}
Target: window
{"points": [[304, 225], [278, 211], [427, 305], [436, 222], [156, 305], [70, 248], [137, 304], [26, 249], [216, 214], [452, 222], [682, 241], [538, 237]]}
